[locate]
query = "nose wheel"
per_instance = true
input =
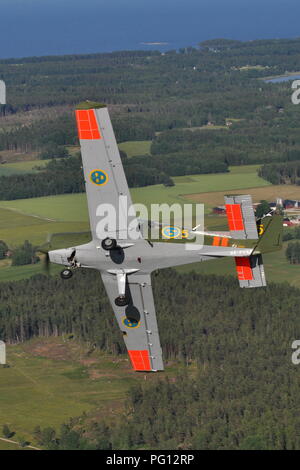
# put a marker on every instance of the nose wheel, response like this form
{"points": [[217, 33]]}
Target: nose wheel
{"points": [[66, 274]]}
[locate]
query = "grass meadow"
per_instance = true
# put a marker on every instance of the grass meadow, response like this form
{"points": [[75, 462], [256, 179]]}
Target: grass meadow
{"points": [[50, 380]]}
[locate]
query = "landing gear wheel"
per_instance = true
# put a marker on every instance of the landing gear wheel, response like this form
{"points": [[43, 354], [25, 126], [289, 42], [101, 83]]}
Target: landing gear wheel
{"points": [[122, 301], [108, 243], [66, 273]]}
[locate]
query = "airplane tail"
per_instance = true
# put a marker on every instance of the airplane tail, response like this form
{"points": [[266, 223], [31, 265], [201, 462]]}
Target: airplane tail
{"points": [[241, 218], [243, 225]]}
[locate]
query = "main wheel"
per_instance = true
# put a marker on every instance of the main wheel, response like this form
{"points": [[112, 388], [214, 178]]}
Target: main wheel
{"points": [[66, 273], [122, 301], [109, 243]]}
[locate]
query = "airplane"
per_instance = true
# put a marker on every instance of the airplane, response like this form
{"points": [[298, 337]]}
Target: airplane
{"points": [[126, 264]]}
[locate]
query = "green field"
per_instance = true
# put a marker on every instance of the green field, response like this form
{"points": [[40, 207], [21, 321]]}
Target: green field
{"points": [[73, 207], [134, 148], [50, 380], [15, 227], [65, 208], [8, 169], [9, 446], [238, 178], [34, 219]]}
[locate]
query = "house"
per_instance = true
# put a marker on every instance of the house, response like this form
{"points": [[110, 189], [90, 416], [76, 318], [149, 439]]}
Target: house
{"points": [[287, 222], [219, 210]]}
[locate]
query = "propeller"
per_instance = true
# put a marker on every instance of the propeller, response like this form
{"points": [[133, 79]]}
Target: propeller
{"points": [[46, 260], [59, 240]]}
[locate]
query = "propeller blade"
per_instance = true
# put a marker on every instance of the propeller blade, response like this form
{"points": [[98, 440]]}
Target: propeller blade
{"points": [[47, 263]]}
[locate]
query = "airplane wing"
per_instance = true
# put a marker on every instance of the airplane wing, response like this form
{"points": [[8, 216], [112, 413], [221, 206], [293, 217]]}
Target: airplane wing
{"points": [[103, 171], [137, 321]]}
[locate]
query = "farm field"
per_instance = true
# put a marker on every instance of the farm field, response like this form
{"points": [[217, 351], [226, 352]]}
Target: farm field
{"points": [[10, 446], [13, 156], [134, 148], [73, 207], [7, 169], [33, 219], [15, 227], [270, 193], [237, 179], [52, 379], [63, 208]]}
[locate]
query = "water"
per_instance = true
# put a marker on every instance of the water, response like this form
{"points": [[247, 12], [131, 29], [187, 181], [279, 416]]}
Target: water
{"points": [[45, 27], [282, 79]]}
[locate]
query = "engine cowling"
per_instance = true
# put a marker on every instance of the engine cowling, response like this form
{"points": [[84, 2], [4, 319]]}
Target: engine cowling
{"points": [[64, 256]]}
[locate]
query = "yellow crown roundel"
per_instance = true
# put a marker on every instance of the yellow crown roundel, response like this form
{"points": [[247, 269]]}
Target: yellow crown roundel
{"points": [[98, 177], [171, 232], [130, 322]]}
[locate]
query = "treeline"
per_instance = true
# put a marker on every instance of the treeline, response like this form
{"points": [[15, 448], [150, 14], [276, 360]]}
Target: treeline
{"points": [[291, 233], [240, 144], [292, 252], [176, 164], [281, 173], [43, 133], [59, 177], [65, 175], [241, 391], [40, 134]]}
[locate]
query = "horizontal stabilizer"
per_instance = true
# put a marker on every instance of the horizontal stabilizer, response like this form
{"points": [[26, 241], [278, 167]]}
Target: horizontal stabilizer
{"points": [[241, 218], [250, 271]]}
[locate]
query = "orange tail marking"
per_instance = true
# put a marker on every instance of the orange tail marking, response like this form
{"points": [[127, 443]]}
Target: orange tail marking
{"points": [[243, 268], [235, 217]]}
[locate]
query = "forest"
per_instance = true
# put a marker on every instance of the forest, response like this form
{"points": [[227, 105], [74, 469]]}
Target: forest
{"points": [[203, 108], [281, 173], [238, 388]]}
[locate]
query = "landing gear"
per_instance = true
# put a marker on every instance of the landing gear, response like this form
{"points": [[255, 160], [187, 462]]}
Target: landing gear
{"points": [[108, 243], [122, 301], [66, 273]]}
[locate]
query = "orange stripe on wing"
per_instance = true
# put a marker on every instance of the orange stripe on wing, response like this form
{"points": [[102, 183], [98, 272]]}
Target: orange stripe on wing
{"points": [[235, 217], [243, 268], [224, 242], [87, 125], [216, 241], [140, 360]]}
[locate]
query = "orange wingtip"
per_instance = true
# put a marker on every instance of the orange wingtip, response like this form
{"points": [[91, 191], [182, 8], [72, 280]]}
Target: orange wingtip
{"points": [[235, 217], [140, 360], [87, 124], [243, 269]]}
